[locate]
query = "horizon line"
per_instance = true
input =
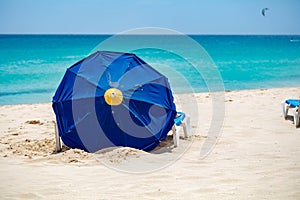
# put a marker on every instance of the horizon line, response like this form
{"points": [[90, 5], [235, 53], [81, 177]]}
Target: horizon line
{"points": [[229, 34]]}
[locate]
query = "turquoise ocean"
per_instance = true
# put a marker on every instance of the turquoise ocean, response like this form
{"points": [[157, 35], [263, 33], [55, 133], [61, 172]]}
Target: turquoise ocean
{"points": [[31, 66]]}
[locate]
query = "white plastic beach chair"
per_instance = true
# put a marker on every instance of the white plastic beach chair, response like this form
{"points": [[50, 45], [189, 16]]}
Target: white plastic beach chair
{"points": [[294, 104], [181, 121]]}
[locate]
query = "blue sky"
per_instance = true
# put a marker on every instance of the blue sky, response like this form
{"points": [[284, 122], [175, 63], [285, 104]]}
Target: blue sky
{"points": [[114, 16]]}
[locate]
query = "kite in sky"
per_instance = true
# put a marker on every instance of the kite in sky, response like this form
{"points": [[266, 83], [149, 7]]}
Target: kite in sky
{"points": [[263, 11]]}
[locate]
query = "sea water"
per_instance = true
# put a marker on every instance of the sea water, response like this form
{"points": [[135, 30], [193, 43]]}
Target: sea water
{"points": [[31, 66]]}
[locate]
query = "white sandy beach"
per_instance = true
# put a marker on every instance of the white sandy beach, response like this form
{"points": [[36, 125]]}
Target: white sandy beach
{"points": [[257, 156]]}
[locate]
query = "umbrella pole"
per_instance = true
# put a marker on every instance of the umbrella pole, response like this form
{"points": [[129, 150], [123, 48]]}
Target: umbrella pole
{"points": [[57, 139]]}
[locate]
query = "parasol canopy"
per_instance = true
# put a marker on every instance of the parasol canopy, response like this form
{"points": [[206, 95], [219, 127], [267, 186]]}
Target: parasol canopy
{"points": [[113, 99]]}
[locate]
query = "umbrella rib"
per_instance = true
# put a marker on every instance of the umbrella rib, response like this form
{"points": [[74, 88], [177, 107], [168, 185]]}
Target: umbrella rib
{"points": [[140, 121], [134, 115], [143, 83], [84, 78]]}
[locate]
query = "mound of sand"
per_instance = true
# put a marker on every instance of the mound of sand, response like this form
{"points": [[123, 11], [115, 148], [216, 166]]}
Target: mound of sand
{"points": [[119, 154]]}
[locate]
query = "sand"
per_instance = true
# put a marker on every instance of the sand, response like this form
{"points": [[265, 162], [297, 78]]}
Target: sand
{"points": [[257, 155]]}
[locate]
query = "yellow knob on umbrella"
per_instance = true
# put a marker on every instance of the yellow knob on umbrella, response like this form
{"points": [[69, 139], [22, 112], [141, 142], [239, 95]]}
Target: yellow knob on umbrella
{"points": [[113, 96]]}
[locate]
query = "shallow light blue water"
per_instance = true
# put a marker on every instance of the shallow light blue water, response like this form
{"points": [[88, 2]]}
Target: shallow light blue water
{"points": [[31, 66]]}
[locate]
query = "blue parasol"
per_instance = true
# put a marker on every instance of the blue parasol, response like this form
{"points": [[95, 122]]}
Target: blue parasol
{"points": [[113, 99]]}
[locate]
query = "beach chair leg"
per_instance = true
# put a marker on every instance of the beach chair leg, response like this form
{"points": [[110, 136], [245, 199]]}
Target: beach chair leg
{"points": [[57, 139], [284, 109], [187, 123], [184, 129], [296, 116], [175, 131]]}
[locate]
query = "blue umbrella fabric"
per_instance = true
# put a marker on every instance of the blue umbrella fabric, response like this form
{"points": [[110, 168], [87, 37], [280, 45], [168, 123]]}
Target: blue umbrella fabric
{"points": [[113, 99]]}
